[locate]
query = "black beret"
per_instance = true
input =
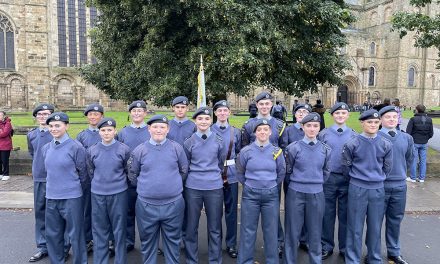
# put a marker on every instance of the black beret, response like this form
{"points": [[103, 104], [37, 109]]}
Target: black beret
{"points": [[137, 104], [339, 106], [221, 103], [303, 106], [180, 100], [386, 109], [158, 119], [42, 107], [106, 122], [369, 114], [202, 111], [94, 107], [58, 116], [263, 96], [260, 122], [312, 117]]}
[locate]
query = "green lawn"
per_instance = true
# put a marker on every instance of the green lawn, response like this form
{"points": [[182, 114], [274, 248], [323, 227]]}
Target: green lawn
{"points": [[121, 118]]}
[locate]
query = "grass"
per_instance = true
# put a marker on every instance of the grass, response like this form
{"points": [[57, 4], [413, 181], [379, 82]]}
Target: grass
{"points": [[26, 119]]}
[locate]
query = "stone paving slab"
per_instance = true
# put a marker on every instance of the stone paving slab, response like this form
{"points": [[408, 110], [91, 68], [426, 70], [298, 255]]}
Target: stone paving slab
{"points": [[421, 197]]}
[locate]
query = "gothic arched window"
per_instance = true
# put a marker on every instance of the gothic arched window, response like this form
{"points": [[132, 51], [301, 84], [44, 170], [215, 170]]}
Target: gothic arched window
{"points": [[372, 76], [411, 76], [7, 54]]}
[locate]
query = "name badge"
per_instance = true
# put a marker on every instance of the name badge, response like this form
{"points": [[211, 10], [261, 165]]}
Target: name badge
{"points": [[229, 162]]}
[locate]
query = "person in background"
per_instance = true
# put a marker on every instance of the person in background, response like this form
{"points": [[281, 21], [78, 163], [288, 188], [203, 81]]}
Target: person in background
{"points": [[36, 139], [253, 110], [320, 109], [396, 103], [5, 144], [279, 111], [421, 129]]}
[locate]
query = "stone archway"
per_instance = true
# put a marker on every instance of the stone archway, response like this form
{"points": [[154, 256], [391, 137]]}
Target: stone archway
{"points": [[342, 94]]}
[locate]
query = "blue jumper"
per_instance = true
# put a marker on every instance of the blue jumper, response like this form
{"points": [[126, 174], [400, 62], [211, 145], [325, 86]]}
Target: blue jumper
{"points": [[403, 155], [336, 141], [159, 171], [307, 166], [107, 167], [36, 139], [66, 169], [261, 167], [206, 160], [367, 161], [294, 133], [88, 137], [133, 137], [180, 131], [236, 146]]}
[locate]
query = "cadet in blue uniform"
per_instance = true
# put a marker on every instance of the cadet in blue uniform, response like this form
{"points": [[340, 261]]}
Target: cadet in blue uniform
{"points": [[336, 187], [159, 167], [395, 184], [134, 135], [307, 162], [37, 138], [260, 168], [295, 131], [65, 163], [367, 160], [181, 127], [109, 192], [277, 138], [204, 187], [232, 144], [89, 137]]}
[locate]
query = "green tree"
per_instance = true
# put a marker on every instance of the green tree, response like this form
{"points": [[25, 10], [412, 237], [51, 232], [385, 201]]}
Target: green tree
{"points": [[151, 49], [425, 27]]}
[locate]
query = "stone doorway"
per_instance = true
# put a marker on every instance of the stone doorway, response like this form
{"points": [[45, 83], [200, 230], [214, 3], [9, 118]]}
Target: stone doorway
{"points": [[342, 94]]}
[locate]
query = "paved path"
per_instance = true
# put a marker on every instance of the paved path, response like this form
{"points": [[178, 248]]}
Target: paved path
{"points": [[422, 197]]}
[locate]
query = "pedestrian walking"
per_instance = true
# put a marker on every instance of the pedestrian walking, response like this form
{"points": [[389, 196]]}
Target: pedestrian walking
{"points": [[108, 193], [65, 163], [261, 169], [421, 129], [36, 139], [307, 170], [395, 184], [367, 160], [336, 187]]}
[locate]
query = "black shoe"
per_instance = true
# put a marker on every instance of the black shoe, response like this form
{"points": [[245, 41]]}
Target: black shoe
{"points": [[111, 249], [159, 252], [396, 260], [38, 256], [130, 248], [232, 252], [89, 246], [326, 254], [280, 251], [304, 246]]}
